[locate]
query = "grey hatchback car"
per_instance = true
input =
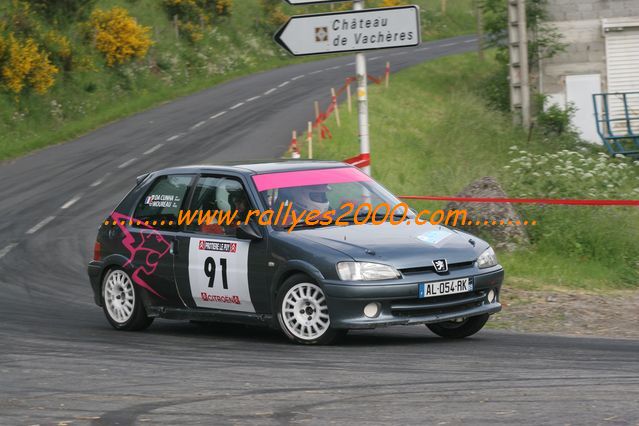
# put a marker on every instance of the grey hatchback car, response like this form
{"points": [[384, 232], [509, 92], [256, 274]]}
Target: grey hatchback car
{"points": [[314, 281]]}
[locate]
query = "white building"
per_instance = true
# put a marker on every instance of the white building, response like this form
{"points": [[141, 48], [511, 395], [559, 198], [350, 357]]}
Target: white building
{"points": [[602, 56]]}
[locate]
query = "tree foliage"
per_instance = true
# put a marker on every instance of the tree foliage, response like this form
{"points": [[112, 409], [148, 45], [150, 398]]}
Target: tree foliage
{"points": [[64, 10], [545, 40]]}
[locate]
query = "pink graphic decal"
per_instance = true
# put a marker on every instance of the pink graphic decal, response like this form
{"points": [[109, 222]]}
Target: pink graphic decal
{"points": [[147, 248], [309, 177]]}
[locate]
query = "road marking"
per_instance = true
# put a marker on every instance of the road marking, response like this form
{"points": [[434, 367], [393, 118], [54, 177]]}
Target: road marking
{"points": [[71, 202], [423, 48], [219, 114], [448, 44], [284, 84], [268, 92], [152, 150], [336, 67], [316, 72], [298, 77], [236, 106], [471, 41], [196, 125], [254, 98], [127, 163], [40, 225], [172, 138], [375, 58], [7, 249], [350, 63], [399, 53], [99, 181]]}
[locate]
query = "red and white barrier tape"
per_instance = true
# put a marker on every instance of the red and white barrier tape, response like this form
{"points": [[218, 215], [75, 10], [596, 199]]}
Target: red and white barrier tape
{"points": [[566, 202]]}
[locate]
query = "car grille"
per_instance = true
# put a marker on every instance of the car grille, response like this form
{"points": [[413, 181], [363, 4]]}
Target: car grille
{"points": [[431, 268], [438, 304]]}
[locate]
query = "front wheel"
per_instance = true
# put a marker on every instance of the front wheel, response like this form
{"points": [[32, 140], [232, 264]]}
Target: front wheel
{"points": [[302, 312], [459, 329], [121, 302]]}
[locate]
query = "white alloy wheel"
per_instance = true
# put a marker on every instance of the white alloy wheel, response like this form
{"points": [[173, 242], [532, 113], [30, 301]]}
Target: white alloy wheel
{"points": [[304, 311], [119, 296]]}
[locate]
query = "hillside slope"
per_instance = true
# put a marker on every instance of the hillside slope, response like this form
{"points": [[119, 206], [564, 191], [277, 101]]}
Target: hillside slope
{"points": [[203, 49]]}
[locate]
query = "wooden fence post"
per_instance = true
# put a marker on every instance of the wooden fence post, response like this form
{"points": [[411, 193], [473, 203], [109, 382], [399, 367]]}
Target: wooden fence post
{"points": [[309, 138], [334, 100]]}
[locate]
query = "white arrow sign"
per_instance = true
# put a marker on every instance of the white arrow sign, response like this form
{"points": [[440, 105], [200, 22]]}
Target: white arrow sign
{"points": [[351, 31]]}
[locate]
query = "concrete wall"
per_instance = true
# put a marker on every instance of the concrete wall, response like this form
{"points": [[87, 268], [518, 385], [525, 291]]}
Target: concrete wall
{"points": [[581, 10]]}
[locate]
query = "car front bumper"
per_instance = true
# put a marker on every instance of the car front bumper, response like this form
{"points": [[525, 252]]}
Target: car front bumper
{"points": [[400, 303]]}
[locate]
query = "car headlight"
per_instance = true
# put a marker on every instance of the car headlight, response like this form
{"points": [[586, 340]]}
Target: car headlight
{"points": [[487, 259], [366, 271]]}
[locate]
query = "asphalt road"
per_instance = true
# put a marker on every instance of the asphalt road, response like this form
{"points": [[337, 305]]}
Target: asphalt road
{"points": [[61, 362]]}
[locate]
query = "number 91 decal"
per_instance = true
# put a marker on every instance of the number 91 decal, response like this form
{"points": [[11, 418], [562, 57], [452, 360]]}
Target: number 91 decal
{"points": [[218, 274]]}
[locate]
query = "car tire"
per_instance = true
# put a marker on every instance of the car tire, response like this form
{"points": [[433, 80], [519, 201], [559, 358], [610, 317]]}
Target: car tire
{"points": [[459, 330], [121, 302], [302, 312]]}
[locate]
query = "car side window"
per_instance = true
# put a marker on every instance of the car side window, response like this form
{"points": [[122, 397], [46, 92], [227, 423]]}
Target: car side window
{"points": [[218, 204], [160, 206]]}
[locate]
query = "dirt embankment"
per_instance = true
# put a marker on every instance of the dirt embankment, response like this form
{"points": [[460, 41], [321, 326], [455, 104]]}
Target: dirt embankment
{"points": [[570, 312]]}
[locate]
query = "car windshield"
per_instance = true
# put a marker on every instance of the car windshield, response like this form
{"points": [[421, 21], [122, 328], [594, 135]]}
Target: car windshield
{"points": [[347, 192]]}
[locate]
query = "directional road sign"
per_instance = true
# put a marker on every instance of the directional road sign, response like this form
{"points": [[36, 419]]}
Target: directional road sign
{"points": [[350, 31]]}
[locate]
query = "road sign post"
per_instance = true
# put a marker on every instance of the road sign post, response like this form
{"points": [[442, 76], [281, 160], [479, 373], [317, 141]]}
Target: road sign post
{"points": [[362, 99], [357, 30]]}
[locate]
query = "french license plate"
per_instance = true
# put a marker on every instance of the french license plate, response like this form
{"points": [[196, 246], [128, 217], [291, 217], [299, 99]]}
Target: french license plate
{"points": [[441, 288]]}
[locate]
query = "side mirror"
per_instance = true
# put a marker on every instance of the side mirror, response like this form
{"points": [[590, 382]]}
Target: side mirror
{"points": [[248, 231]]}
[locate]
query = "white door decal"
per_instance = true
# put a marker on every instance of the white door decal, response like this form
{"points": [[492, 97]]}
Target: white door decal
{"points": [[218, 274]]}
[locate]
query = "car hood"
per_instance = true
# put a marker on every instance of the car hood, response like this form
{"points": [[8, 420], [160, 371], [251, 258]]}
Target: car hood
{"points": [[402, 246]]}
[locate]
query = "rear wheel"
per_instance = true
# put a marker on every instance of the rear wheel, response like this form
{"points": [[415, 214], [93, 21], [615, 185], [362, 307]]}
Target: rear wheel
{"points": [[459, 329], [121, 302], [302, 312]]}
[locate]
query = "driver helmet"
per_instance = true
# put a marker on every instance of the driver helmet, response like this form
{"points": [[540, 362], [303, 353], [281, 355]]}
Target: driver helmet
{"points": [[308, 198]]}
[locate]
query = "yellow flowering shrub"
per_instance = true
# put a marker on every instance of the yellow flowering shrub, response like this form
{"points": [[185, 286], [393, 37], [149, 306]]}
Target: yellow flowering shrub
{"points": [[194, 16], [278, 17], [58, 44], [193, 32], [118, 36], [195, 11], [223, 7], [24, 64], [391, 3]]}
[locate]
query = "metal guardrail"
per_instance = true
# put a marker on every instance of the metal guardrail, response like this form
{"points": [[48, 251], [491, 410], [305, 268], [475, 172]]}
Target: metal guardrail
{"points": [[617, 118]]}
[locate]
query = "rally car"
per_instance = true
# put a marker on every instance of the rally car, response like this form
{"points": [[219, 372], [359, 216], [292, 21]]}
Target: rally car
{"points": [[314, 281]]}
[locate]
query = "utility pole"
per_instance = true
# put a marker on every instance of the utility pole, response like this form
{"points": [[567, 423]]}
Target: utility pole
{"points": [[519, 74], [362, 98]]}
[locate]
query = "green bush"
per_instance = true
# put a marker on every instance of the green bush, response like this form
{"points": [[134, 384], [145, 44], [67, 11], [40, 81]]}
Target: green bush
{"points": [[64, 10], [495, 89], [554, 120]]}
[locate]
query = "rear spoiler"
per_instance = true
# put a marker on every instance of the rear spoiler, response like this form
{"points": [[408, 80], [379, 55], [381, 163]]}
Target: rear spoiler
{"points": [[141, 178]]}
